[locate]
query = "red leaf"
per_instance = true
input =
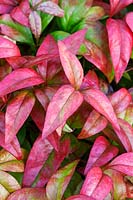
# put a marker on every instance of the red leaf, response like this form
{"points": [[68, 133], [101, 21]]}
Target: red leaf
{"points": [[4, 8], [120, 44], [96, 182], [74, 41], [42, 98], [63, 104], [101, 153], [90, 81], [50, 8], [28, 193], [37, 157], [101, 103], [120, 100], [8, 48], [94, 124], [79, 197], [123, 164], [58, 182], [129, 19], [117, 5], [18, 79], [35, 24], [16, 62], [53, 163], [71, 65]]}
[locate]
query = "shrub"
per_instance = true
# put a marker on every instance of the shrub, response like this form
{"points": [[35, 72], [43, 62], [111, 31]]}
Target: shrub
{"points": [[66, 100]]}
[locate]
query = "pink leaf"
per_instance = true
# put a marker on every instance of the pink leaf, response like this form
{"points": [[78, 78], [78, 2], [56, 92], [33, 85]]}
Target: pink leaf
{"points": [[96, 182], [28, 193], [120, 100], [18, 79], [90, 80], [17, 112], [94, 124], [74, 41], [35, 24], [118, 5], [53, 163], [71, 65], [120, 44], [101, 153], [101, 103], [57, 184], [63, 104], [128, 19], [123, 163], [37, 157], [50, 8], [8, 48], [79, 197]]}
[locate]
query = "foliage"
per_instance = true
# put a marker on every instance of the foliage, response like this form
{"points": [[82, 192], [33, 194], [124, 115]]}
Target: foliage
{"points": [[66, 119]]}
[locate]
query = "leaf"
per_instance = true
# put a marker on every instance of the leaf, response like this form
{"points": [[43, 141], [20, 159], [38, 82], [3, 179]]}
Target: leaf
{"points": [[101, 153], [59, 181], [120, 44], [9, 163], [95, 13], [3, 193], [74, 41], [15, 30], [94, 124], [18, 110], [28, 193], [37, 157], [120, 100], [95, 182], [90, 80], [79, 197], [8, 48], [61, 107], [50, 8], [35, 24], [101, 104], [117, 5], [123, 163], [18, 79], [127, 114], [71, 66], [128, 19], [52, 164], [9, 182]]}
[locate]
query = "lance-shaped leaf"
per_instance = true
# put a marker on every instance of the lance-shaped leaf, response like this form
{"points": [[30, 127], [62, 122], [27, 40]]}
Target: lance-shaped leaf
{"points": [[9, 163], [3, 192], [123, 163], [101, 153], [90, 80], [120, 100], [127, 114], [117, 5], [120, 44], [9, 182], [94, 124], [71, 65], [18, 79], [50, 8], [74, 41], [96, 182], [29, 193], [101, 104], [35, 23], [18, 110], [59, 181], [79, 197], [63, 104], [52, 164], [128, 19], [37, 157], [8, 48], [119, 185]]}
